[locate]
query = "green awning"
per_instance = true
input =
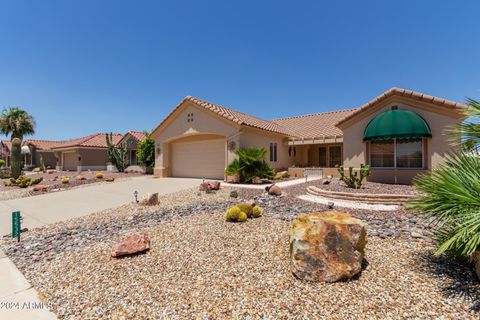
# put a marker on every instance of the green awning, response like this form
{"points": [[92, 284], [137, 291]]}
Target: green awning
{"points": [[396, 124]]}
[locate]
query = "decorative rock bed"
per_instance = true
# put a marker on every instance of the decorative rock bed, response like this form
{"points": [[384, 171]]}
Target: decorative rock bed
{"points": [[390, 199]]}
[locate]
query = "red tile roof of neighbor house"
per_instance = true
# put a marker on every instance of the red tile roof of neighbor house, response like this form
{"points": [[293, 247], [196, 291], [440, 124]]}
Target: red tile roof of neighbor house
{"points": [[43, 144], [139, 136], [97, 140]]}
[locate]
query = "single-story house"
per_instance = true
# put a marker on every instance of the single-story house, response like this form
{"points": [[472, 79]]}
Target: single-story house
{"points": [[32, 151], [399, 133], [86, 153], [132, 138]]}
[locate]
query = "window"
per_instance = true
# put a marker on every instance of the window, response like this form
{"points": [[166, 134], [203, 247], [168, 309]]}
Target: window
{"points": [[322, 156], [335, 156], [404, 153], [190, 117], [273, 151]]}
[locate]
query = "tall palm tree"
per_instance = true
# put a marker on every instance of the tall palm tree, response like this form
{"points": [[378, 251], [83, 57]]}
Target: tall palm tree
{"points": [[16, 122]]}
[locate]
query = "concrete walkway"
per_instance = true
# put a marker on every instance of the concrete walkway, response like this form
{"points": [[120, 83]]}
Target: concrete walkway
{"points": [[63, 205], [282, 184], [18, 300]]}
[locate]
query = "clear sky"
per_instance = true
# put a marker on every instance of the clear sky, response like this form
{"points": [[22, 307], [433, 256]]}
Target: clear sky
{"points": [[84, 66]]}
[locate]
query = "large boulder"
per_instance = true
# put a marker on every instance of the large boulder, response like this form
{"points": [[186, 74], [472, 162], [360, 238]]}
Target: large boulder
{"points": [[150, 199], [40, 188], [275, 190], [327, 246], [476, 261], [214, 185], [132, 244]]}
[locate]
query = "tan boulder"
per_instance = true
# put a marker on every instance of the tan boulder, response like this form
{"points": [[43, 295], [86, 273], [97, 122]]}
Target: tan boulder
{"points": [[327, 246], [110, 179], [214, 185], [132, 244], [150, 199], [80, 178], [40, 187]]}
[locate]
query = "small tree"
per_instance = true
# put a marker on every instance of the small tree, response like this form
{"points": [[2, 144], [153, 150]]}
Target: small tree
{"points": [[117, 154], [146, 152], [250, 164]]}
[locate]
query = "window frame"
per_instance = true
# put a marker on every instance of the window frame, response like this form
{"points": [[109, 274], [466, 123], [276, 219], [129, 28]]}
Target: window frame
{"points": [[273, 152], [329, 159], [422, 140]]}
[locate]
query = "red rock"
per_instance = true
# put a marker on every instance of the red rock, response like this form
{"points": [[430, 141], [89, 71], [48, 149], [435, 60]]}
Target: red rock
{"points": [[275, 190], [214, 185], [132, 244], [110, 179], [150, 199], [80, 177], [40, 187], [203, 186]]}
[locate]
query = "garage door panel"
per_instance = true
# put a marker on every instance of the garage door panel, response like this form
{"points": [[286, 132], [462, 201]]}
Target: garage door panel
{"points": [[70, 161], [199, 159]]}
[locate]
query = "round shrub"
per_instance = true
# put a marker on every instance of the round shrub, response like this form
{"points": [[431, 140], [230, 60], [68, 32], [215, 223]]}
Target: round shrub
{"points": [[257, 212], [247, 208], [232, 214], [99, 175], [242, 217]]}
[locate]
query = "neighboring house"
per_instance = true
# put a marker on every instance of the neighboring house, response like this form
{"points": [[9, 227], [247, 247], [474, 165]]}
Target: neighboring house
{"points": [[32, 151], [132, 138], [399, 134], [86, 153]]}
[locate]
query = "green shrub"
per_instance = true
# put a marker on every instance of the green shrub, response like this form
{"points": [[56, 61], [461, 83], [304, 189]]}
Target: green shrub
{"points": [[65, 180], [232, 214], [36, 181], [250, 164], [146, 152], [2, 162], [247, 208], [257, 212]]}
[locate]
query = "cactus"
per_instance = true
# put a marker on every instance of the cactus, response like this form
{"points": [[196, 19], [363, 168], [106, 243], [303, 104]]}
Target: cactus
{"points": [[65, 180], [22, 182], [16, 158], [257, 212], [99, 175], [353, 180], [42, 165], [247, 208], [242, 217], [232, 214], [117, 155]]}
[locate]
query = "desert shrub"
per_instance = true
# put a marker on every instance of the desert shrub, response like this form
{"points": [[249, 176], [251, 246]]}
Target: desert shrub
{"points": [[65, 180], [2, 162], [354, 179], [250, 164], [257, 212], [99, 175], [146, 152], [232, 214], [36, 181]]}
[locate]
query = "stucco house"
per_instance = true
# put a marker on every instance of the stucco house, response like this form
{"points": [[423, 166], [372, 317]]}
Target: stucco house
{"points": [[398, 133], [85, 153], [32, 151], [132, 138]]}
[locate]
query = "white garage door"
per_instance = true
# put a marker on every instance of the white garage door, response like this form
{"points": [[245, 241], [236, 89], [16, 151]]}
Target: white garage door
{"points": [[70, 161], [199, 159]]}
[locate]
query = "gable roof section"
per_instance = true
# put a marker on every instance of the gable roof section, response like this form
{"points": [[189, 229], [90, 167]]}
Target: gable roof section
{"points": [[229, 114], [43, 144], [137, 135], [315, 125], [450, 105], [97, 140]]}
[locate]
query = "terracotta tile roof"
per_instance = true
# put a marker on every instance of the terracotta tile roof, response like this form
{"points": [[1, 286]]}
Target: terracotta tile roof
{"points": [[43, 144], [8, 144], [237, 117], [139, 136], [315, 125], [97, 140], [409, 94]]}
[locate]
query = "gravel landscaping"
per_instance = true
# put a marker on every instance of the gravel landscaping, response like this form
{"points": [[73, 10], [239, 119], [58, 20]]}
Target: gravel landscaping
{"points": [[367, 187], [53, 182], [200, 266]]}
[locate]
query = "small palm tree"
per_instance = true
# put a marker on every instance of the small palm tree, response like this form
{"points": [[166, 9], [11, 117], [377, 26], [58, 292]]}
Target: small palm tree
{"points": [[451, 194], [250, 164], [16, 122]]}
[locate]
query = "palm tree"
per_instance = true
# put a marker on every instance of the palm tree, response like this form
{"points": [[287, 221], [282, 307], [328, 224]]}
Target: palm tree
{"points": [[468, 132], [250, 164], [16, 122], [450, 195]]}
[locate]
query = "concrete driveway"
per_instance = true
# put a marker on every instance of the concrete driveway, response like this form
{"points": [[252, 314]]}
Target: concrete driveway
{"points": [[63, 205]]}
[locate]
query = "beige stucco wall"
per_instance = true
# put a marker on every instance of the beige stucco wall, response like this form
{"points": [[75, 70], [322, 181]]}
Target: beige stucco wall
{"points": [[262, 139], [93, 157], [355, 150]]}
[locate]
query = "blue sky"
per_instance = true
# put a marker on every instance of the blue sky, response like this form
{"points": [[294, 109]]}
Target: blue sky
{"points": [[82, 67]]}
